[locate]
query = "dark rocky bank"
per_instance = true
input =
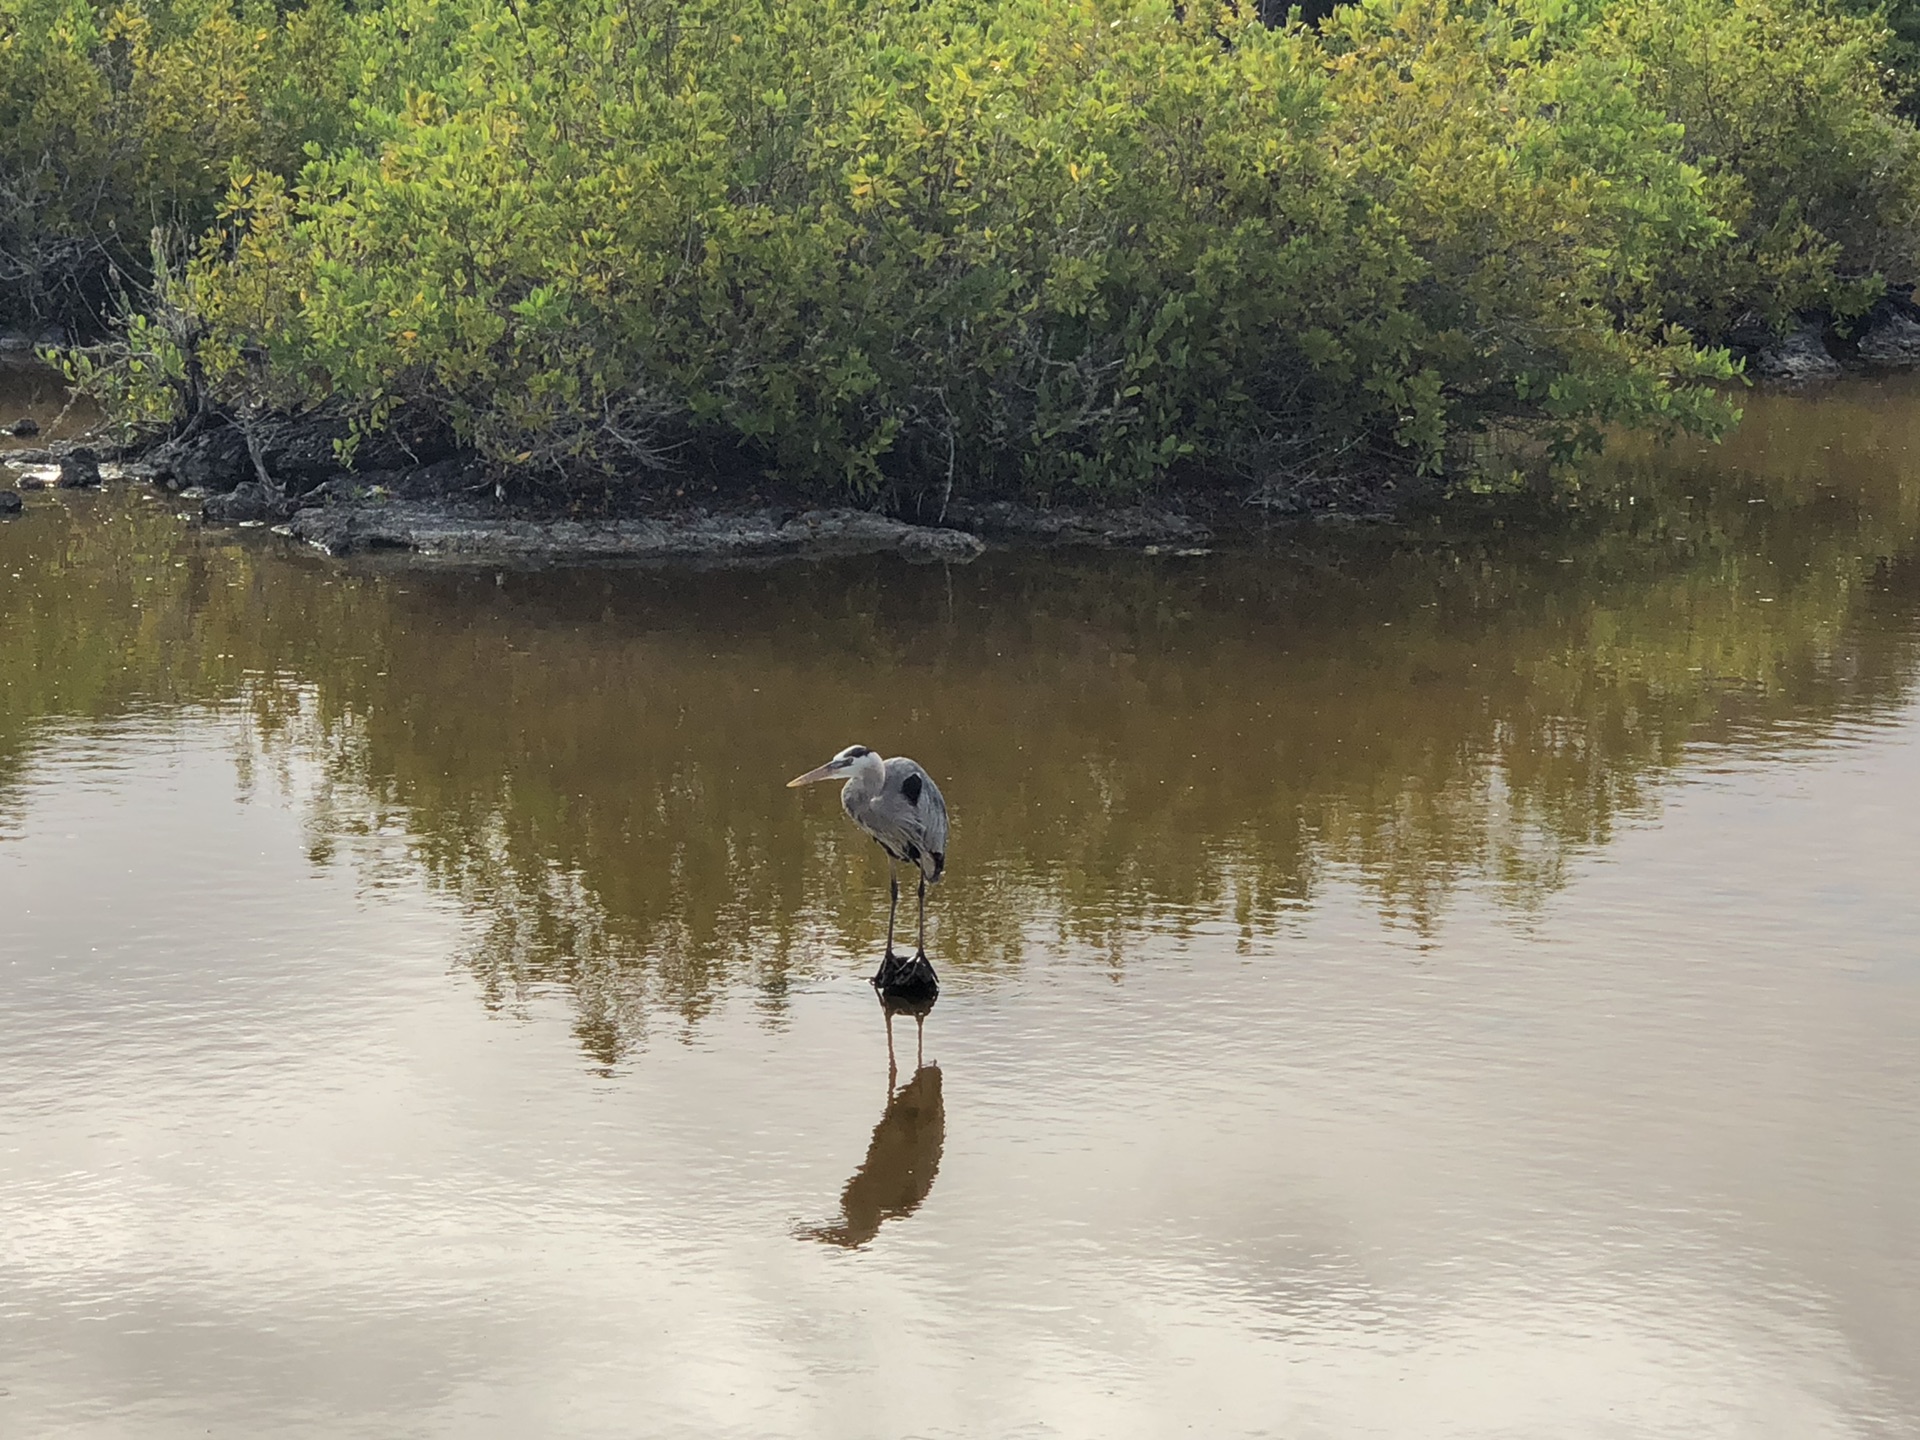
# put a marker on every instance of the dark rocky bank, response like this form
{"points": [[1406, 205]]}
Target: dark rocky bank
{"points": [[415, 494], [1890, 340], [417, 497]]}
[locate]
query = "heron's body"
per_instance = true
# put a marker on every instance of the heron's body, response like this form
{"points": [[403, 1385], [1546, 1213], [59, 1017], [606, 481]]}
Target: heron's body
{"points": [[896, 802]]}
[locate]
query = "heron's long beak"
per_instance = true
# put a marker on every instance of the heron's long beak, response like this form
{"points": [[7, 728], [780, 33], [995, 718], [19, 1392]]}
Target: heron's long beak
{"points": [[828, 771]]}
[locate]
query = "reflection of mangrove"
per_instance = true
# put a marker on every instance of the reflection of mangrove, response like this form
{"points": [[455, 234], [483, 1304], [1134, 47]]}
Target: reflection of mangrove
{"points": [[902, 1159], [593, 761]]}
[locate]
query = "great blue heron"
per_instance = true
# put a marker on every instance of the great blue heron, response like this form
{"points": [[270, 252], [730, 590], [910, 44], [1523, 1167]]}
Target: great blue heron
{"points": [[897, 803]]}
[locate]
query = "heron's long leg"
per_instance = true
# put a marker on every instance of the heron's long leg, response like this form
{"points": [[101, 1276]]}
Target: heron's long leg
{"points": [[923, 916], [893, 882], [893, 1069]]}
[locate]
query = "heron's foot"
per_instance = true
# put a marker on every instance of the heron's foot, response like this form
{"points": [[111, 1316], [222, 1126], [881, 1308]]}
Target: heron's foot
{"points": [[908, 981]]}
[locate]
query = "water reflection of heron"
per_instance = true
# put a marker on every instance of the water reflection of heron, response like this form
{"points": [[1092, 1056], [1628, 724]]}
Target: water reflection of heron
{"points": [[902, 1159], [897, 803]]}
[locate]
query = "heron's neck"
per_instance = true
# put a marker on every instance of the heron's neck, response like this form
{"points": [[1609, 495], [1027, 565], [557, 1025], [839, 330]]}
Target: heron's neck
{"points": [[869, 774]]}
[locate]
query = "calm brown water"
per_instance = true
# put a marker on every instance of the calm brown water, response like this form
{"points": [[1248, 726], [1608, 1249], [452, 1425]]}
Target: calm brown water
{"points": [[1392, 989], [30, 391]]}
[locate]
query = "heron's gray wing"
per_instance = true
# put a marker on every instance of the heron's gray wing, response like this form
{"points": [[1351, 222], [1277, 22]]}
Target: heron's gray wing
{"points": [[914, 814]]}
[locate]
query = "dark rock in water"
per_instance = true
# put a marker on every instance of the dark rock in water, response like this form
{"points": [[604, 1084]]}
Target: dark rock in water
{"points": [[336, 531], [1891, 343], [23, 427], [79, 469], [10, 503], [857, 531], [247, 501], [927, 545], [1797, 358]]}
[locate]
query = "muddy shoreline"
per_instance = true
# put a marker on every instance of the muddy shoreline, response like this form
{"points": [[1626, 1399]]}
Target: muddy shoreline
{"points": [[452, 509], [417, 494]]}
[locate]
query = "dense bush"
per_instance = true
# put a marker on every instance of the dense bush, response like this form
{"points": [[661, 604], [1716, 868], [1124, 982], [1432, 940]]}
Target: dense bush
{"points": [[1787, 111], [962, 245], [117, 120]]}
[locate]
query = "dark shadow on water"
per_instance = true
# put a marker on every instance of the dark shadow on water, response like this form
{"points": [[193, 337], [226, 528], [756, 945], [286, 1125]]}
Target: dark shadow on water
{"points": [[902, 1159]]}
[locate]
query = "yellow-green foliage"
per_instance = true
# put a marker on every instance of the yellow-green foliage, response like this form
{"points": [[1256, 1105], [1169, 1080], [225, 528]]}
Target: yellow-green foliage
{"points": [[117, 119], [1540, 194], [1786, 109], [1032, 244]]}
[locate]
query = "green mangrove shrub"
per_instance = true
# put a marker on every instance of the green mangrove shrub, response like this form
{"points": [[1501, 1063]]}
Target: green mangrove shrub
{"points": [[1789, 110], [964, 247], [119, 119]]}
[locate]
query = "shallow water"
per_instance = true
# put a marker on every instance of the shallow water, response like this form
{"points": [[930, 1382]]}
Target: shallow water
{"points": [[1392, 987], [31, 391]]}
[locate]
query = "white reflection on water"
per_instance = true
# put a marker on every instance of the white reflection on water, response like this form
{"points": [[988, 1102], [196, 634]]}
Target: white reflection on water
{"points": [[1640, 1163]]}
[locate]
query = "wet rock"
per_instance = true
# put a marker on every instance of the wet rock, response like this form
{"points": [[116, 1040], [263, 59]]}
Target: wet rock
{"points": [[246, 503], [334, 531], [25, 426], [79, 469], [16, 344], [1797, 358], [473, 531], [11, 503], [1134, 526], [930, 545], [848, 532], [1891, 343], [37, 477]]}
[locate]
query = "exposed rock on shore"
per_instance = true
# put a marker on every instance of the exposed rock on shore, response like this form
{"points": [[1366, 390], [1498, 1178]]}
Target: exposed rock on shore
{"points": [[79, 469], [18, 344], [1893, 342], [447, 506], [1797, 358], [298, 455], [1129, 527], [453, 531]]}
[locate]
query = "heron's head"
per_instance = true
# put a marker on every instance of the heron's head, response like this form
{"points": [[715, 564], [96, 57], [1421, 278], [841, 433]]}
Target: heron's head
{"points": [[840, 767]]}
